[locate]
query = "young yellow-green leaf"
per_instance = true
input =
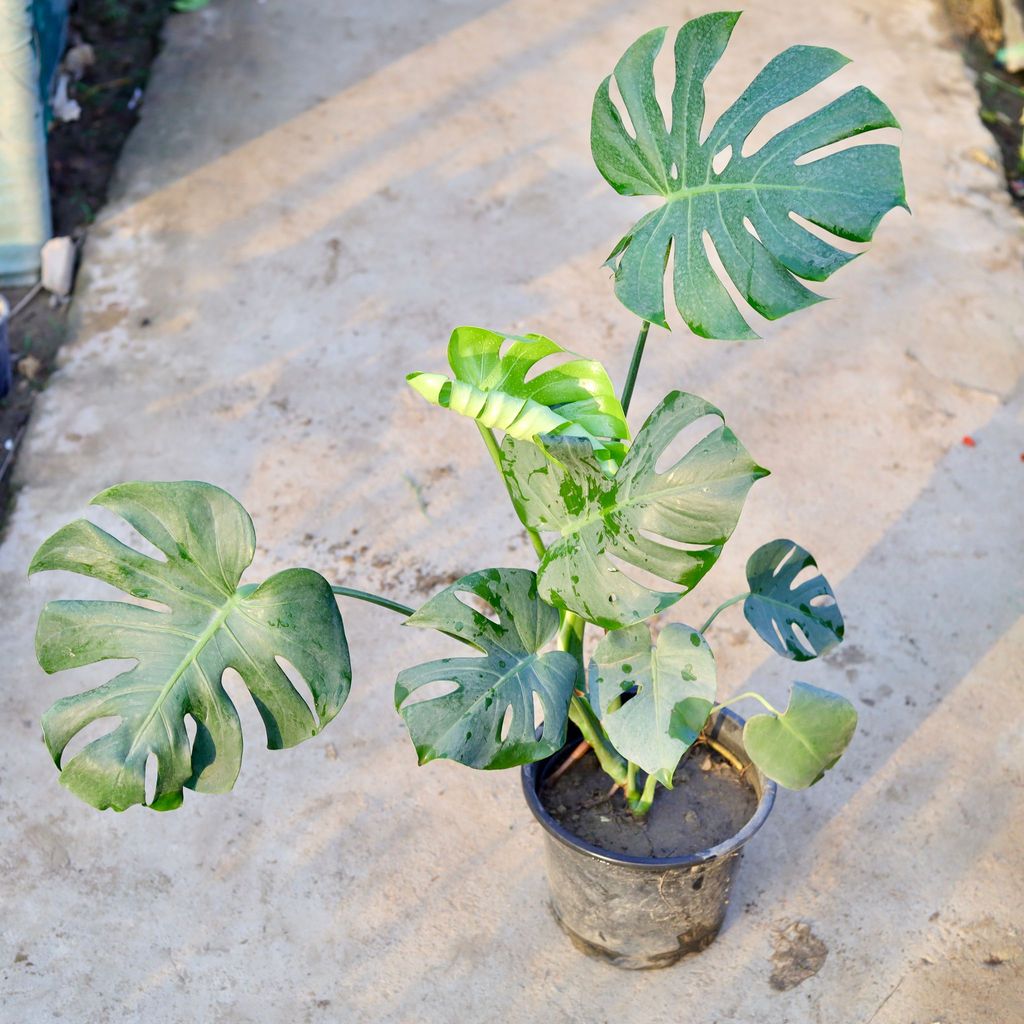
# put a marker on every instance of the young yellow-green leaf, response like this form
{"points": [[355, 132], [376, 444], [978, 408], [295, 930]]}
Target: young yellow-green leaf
{"points": [[745, 207], [776, 608], [558, 485], [468, 723], [799, 746], [574, 398], [675, 684], [211, 624]]}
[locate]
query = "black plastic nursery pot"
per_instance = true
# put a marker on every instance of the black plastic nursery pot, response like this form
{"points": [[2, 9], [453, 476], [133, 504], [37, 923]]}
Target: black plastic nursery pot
{"points": [[644, 912]]}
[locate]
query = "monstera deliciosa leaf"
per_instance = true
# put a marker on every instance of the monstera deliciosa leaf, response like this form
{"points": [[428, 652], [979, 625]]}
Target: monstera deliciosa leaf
{"points": [[746, 207], [675, 684], [210, 624], [558, 485], [471, 723], [776, 607], [575, 398], [797, 747]]}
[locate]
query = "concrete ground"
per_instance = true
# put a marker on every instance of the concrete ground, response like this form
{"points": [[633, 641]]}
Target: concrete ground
{"points": [[316, 194]]}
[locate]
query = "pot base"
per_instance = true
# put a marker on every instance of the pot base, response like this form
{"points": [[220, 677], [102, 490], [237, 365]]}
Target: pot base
{"points": [[689, 943], [643, 913]]}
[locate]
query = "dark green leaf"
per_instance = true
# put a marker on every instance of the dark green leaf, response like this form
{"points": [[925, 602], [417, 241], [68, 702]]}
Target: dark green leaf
{"points": [[675, 683], [776, 608], [468, 723], [799, 746], [211, 624], [559, 486], [575, 398], [847, 192]]}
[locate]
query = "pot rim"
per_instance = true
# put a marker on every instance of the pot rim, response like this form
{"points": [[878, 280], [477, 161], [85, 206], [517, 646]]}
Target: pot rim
{"points": [[533, 775]]}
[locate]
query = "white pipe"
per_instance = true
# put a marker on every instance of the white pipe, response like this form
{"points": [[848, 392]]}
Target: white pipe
{"points": [[24, 190]]}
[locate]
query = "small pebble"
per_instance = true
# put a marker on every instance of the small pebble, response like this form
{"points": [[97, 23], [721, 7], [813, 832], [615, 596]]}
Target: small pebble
{"points": [[706, 764], [29, 367], [997, 957]]}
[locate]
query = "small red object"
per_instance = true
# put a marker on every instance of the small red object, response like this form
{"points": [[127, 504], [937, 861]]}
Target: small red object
{"points": [[969, 441]]}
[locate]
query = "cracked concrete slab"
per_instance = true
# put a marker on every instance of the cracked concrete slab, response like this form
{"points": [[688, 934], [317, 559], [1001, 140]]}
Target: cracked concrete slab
{"points": [[313, 199]]}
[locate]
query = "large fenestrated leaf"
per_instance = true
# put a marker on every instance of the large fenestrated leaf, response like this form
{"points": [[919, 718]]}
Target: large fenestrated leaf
{"points": [[675, 684], [847, 192], [558, 485], [800, 745], [575, 398], [211, 624], [467, 723], [775, 607]]}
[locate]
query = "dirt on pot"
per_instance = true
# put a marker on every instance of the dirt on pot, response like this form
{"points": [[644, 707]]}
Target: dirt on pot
{"points": [[708, 803]]}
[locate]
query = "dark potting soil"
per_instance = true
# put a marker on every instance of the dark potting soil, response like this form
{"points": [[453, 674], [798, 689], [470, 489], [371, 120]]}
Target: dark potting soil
{"points": [[708, 803]]}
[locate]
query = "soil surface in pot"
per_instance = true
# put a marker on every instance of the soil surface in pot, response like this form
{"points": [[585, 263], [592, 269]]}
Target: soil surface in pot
{"points": [[708, 803]]}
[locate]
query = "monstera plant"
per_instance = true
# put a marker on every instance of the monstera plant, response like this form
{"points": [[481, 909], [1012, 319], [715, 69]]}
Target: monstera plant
{"points": [[601, 514]]}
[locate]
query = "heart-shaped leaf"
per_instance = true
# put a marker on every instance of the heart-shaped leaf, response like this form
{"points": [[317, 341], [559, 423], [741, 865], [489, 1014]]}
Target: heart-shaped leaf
{"points": [[558, 485], [675, 684], [470, 723], [799, 746], [211, 624], [776, 608], [746, 207], [575, 398]]}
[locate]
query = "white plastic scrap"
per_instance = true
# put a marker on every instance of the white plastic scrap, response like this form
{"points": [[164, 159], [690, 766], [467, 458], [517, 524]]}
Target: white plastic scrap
{"points": [[58, 266], [65, 108], [78, 60]]}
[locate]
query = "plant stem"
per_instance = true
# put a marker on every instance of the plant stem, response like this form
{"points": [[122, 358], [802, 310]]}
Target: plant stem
{"points": [[643, 805], [743, 696], [570, 635], [632, 793], [492, 446], [634, 365], [613, 764], [721, 608], [723, 752], [383, 602], [392, 606]]}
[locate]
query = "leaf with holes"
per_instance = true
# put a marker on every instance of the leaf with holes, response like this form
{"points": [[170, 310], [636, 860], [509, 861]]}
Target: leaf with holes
{"points": [[799, 746], [746, 207], [469, 723], [675, 684], [575, 398], [559, 486], [211, 624], [777, 608]]}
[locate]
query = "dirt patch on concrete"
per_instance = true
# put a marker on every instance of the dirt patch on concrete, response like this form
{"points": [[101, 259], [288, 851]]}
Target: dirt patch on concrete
{"points": [[799, 955]]}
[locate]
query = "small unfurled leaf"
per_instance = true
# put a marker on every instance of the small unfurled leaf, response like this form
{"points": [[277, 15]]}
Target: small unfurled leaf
{"points": [[574, 398], [745, 208], [776, 608], [211, 624], [675, 684], [558, 485], [470, 723], [799, 746]]}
